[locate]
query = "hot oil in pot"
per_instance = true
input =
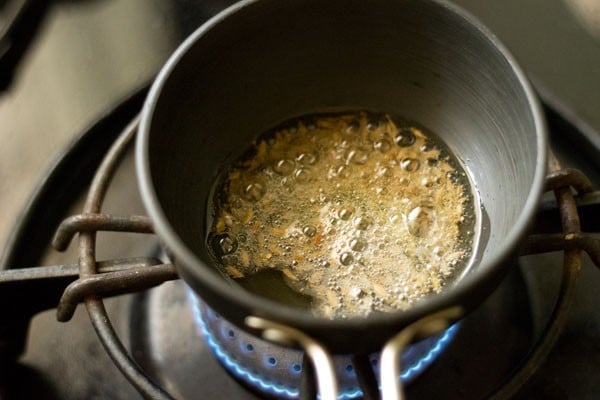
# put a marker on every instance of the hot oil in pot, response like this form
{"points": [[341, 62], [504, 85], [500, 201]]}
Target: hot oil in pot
{"points": [[344, 214]]}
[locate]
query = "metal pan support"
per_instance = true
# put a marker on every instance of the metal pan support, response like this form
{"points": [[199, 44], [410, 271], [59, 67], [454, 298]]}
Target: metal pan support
{"points": [[99, 279]]}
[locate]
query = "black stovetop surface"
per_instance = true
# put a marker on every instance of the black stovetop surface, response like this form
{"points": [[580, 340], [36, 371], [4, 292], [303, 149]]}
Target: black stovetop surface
{"points": [[68, 72]]}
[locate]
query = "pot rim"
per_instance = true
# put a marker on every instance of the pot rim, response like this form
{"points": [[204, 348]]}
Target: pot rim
{"points": [[192, 268]]}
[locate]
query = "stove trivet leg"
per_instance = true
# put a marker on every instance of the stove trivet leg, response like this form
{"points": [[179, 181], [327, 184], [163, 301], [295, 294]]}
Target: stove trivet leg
{"points": [[321, 360], [366, 377], [573, 240], [308, 384], [391, 385], [88, 268]]}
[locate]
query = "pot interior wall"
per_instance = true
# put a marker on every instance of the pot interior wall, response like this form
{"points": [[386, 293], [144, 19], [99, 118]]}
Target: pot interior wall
{"points": [[274, 60]]}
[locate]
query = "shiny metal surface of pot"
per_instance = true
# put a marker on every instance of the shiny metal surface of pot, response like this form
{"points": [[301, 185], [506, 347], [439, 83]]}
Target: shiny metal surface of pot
{"points": [[263, 61]]}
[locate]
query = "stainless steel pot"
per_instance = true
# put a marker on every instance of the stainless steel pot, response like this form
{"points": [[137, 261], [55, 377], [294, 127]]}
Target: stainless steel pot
{"points": [[263, 61]]}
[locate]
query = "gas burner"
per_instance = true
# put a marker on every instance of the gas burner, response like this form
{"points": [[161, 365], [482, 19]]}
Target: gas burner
{"points": [[197, 351], [276, 371]]}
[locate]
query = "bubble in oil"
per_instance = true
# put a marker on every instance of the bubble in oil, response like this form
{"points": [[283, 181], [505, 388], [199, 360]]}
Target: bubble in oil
{"points": [[428, 182], [224, 244], [378, 239], [358, 244], [254, 191], [410, 164], [284, 167], [302, 175], [345, 213], [356, 156], [346, 258], [372, 125], [382, 145], [405, 137], [362, 223], [432, 161], [309, 230], [426, 146], [421, 220], [306, 158], [340, 171]]}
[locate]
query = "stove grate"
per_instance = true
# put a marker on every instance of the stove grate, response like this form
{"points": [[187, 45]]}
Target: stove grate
{"points": [[124, 276]]}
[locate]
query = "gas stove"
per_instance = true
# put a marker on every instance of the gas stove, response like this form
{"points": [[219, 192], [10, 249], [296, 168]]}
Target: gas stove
{"points": [[165, 329]]}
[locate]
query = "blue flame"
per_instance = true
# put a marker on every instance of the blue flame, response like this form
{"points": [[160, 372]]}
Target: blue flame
{"points": [[281, 390], [431, 355]]}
